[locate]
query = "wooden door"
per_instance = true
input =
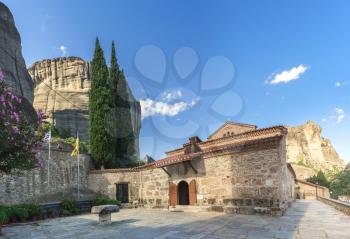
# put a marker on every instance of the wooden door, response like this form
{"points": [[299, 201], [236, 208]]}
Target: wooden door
{"points": [[123, 192], [172, 194], [193, 192]]}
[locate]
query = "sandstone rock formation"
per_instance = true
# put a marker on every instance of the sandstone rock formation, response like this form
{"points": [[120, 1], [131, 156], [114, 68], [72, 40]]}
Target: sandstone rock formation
{"points": [[309, 152], [62, 92], [11, 59]]}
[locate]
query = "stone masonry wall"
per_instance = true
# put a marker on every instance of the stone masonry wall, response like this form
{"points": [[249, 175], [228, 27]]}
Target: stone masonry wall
{"points": [[236, 182], [287, 178], [149, 187], [306, 190], [32, 185]]}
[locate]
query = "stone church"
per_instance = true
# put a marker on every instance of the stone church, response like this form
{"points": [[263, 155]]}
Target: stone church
{"points": [[238, 169]]}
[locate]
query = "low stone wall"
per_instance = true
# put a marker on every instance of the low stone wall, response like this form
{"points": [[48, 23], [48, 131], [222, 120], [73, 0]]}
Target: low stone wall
{"points": [[340, 206], [306, 190], [32, 185]]}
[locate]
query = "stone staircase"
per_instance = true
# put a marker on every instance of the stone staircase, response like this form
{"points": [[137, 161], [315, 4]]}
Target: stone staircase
{"points": [[186, 208]]}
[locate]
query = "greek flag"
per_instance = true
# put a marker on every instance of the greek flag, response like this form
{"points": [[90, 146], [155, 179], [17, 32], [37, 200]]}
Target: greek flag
{"points": [[47, 136]]}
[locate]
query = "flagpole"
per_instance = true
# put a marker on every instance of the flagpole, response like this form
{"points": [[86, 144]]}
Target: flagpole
{"points": [[48, 163], [78, 168]]}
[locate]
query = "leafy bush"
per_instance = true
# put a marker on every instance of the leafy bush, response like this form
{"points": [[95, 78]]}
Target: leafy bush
{"points": [[340, 185], [46, 127], [69, 206], [20, 212], [3, 217], [10, 212], [20, 143], [34, 210], [104, 200]]}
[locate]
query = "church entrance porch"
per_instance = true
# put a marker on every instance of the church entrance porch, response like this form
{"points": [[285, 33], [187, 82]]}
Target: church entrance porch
{"points": [[183, 193]]}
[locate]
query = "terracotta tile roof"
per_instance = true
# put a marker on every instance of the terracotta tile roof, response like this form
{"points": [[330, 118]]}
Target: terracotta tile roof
{"points": [[232, 123], [175, 159], [250, 138], [241, 144], [308, 183], [278, 130]]}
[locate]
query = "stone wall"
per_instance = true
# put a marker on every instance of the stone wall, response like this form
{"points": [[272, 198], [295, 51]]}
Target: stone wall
{"points": [[340, 206], [244, 181], [149, 187], [306, 190], [32, 185]]}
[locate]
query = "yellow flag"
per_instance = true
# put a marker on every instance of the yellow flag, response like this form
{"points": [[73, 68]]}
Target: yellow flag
{"points": [[76, 148]]}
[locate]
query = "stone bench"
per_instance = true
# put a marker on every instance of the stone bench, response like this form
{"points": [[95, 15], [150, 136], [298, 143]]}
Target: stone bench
{"points": [[104, 212]]}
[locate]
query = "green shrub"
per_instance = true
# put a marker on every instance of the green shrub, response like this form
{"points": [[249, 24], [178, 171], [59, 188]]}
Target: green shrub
{"points": [[3, 217], [103, 200], [69, 205], [20, 212], [34, 210], [10, 211]]}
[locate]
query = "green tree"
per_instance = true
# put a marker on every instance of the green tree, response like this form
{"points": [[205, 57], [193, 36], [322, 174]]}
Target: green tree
{"points": [[319, 179], [120, 123], [340, 185], [113, 85], [124, 131], [100, 105]]}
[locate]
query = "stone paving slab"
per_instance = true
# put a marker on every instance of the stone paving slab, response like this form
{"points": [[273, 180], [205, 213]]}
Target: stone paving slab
{"points": [[305, 219]]}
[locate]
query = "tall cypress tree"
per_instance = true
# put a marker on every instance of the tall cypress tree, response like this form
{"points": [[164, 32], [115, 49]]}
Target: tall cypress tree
{"points": [[113, 84], [125, 133], [99, 108], [114, 72]]}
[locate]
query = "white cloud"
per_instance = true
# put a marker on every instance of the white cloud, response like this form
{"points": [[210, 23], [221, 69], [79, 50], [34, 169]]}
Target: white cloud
{"points": [[171, 95], [63, 49], [341, 84], [150, 107], [287, 75], [339, 114]]}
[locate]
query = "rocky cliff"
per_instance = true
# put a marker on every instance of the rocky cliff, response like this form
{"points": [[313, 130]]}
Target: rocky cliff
{"points": [[11, 59], [309, 152], [62, 92]]}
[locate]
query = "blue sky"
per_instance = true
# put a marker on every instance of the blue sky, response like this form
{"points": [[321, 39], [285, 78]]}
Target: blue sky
{"points": [[195, 64]]}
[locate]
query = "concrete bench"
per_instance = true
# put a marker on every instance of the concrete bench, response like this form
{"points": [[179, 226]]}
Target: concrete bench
{"points": [[104, 212]]}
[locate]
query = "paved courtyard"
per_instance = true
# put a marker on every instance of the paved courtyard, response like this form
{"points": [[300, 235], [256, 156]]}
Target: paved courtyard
{"points": [[306, 219]]}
